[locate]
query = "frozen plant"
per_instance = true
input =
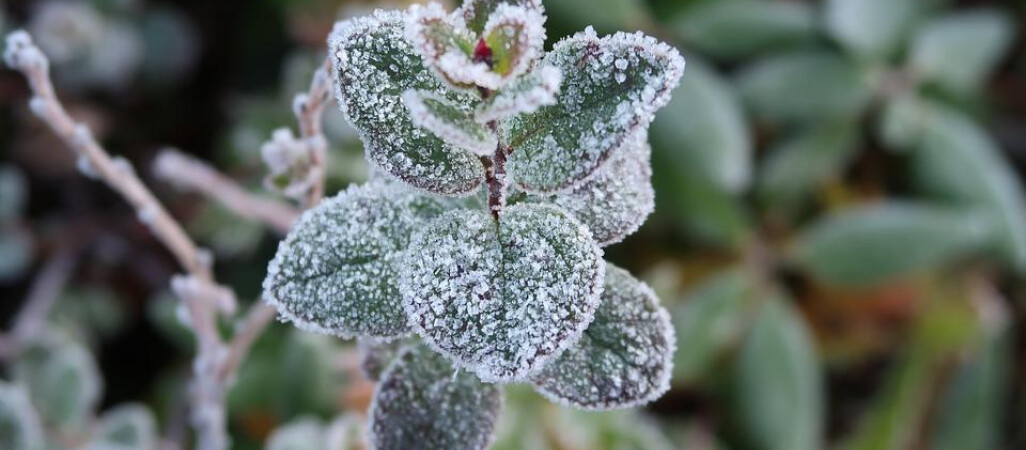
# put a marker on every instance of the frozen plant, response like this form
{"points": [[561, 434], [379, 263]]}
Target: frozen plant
{"points": [[474, 256]]}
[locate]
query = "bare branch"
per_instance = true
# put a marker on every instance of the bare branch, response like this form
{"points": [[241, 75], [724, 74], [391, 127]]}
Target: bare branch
{"points": [[42, 295], [309, 110]]}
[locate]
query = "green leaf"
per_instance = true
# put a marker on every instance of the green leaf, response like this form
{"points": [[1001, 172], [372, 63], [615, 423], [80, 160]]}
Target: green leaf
{"points": [[874, 243], [604, 15], [902, 123], [958, 161], [452, 122], [19, 424], [624, 358], [502, 298], [616, 201], [612, 87], [738, 29], [703, 129], [336, 272], [711, 321], [16, 251], [705, 212], [64, 384], [422, 402], [778, 382], [803, 162], [871, 29], [804, 87], [516, 37], [305, 433], [126, 427], [524, 95], [476, 12], [959, 51], [373, 67], [376, 355], [444, 47], [13, 192]]}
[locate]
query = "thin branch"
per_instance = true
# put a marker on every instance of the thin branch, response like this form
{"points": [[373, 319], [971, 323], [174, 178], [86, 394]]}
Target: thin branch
{"points": [[42, 295], [249, 329], [309, 110], [192, 174]]}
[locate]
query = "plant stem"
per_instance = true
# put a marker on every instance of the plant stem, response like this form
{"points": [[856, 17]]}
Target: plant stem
{"points": [[495, 175]]}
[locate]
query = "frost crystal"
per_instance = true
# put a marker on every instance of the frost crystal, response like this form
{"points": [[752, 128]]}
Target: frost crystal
{"points": [[335, 272], [612, 87], [421, 403], [516, 38], [525, 95], [502, 299], [451, 122], [373, 67], [624, 358]]}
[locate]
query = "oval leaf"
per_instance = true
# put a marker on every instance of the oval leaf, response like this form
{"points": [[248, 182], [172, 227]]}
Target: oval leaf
{"points": [[422, 403], [502, 298], [624, 358], [872, 29], [735, 29], [450, 121], [525, 94], [373, 66], [979, 38], [336, 272], [475, 13], [612, 87], [19, 424], [64, 384]]}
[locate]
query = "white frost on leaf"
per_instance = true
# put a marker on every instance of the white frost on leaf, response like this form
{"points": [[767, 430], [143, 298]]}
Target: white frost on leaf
{"points": [[289, 164], [422, 402], [452, 122], [444, 44], [373, 66], [516, 36], [475, 13], [502, 298], [624, 359], [524, 95], [335, 273], [612, 87]]}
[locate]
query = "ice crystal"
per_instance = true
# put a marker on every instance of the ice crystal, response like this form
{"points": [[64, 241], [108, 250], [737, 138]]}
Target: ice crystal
{"points": [[525, 95], [502, 298], [335, 273], [421, 403], [373, 67], [612, 87], [452, 122], [624, 358]]}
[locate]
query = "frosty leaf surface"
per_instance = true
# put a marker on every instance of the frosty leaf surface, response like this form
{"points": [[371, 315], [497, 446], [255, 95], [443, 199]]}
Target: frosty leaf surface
{"points": [[335, 272], [373, 67], [421, 403], [516, 37], [452, 122], [19, 424], [618, 199], [475, 13], [130, 426], [502, 298], [447, 48], [611, 89], [624, 358], [526, 94]]}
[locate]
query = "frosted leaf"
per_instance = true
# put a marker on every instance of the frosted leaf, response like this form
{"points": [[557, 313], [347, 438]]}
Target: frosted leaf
{"points": [[624, 358], [19, 424], [335, 272], [447, 48], [475, 13], [612, 87], [376, 355], [526, 94], [130, 426], [289, 164], [502, 298], [64, 384], [421, 403], [373, 66], [304, 433], [616, 201], [346, 432], [515, 35], [452, 122]]}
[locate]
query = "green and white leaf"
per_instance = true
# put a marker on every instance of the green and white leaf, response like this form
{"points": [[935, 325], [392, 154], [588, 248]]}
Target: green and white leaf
{"points": [[20, 427], [612, 87], [451, 122], [737, 29], [524, 95], [778, 386], [373, 67], [624, 358], [337, 270], [305, 433], [801, 163], [63, 382], [447, 48], [422, 402], [502, 298], [875, 243], [617, 200], [516, 36], [126, 427], [475, 13], [346, 432], [959, 51], [871, 29]]}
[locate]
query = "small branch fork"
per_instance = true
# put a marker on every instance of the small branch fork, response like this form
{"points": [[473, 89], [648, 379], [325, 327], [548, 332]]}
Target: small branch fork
{"points": [[217, 360]]}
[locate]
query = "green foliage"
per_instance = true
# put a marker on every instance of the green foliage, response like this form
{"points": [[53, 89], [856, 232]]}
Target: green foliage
{"points": [[870, 29], [63, 383], [20, 427], [980, 37], [801, 163], [738, 29]]}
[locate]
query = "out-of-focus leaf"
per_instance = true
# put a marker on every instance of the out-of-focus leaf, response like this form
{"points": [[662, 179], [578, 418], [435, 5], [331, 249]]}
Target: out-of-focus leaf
{"points": [[778, 387], [346, 432], [805, 86], [958, 161], [736, 29], [872, 29], [126, 427], [421, 402], [611, 430], [19, 424], [711, 320], [377, 355], [299, 366], [798, 165], [305, 433], [900, 126], [604, 15], [705, 212], [13, 190], [703, 129], [875, 243], [958, 51], [93, 312], [16, 252], [64, 384]]}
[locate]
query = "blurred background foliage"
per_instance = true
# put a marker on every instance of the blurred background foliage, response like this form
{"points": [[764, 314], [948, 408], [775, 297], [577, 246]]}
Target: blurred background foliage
{"points": [[840, 230]]}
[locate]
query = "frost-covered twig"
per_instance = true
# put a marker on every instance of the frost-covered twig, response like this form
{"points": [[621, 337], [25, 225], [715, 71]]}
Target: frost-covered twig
{"points": [[192, 174], [42, 295], [309, 110]]}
